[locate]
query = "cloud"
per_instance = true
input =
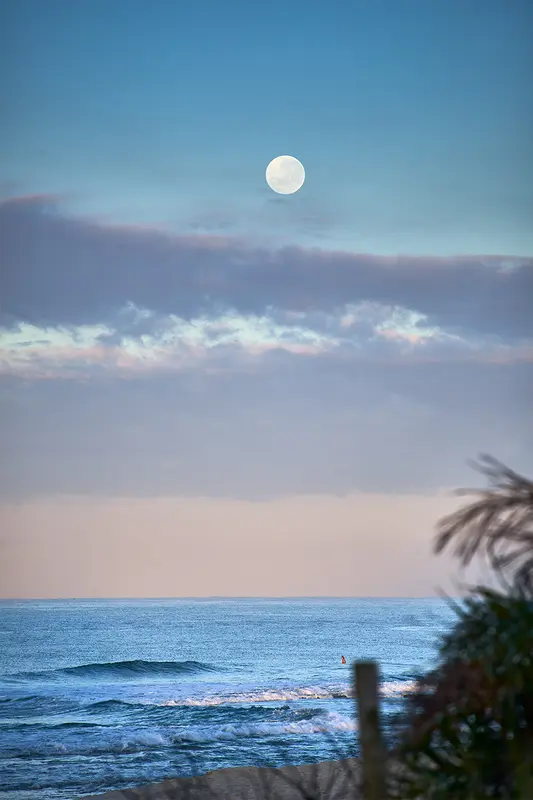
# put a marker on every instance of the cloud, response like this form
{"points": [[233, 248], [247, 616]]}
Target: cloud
{"points": [[293, 425], [137, 342], [202, 365], [62, 271]]}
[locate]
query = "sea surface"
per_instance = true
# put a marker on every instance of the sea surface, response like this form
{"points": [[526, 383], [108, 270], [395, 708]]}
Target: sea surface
{"points": [[107, 694]]}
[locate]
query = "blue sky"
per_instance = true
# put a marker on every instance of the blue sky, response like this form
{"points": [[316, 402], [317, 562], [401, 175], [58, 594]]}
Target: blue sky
{"points": [[191, 364], [413, 119]]}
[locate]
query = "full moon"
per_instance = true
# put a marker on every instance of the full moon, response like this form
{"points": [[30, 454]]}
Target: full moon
{"points": [[285, 175]]}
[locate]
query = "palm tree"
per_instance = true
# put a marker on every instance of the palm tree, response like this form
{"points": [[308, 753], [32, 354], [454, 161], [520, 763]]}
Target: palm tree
{"points": [[499, 524]]}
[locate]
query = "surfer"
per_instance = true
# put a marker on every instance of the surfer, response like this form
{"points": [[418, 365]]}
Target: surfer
{"points": [[343, 660]]}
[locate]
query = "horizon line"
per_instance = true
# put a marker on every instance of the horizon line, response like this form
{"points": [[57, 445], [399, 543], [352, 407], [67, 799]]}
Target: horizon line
{"points": [[224, 597]]}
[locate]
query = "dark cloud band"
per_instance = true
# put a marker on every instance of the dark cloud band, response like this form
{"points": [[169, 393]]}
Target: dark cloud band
{"points": [[60, 270]]}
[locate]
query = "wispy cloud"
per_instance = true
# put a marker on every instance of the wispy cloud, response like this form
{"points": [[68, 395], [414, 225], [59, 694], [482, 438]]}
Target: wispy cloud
{"points": [[142, 342]]}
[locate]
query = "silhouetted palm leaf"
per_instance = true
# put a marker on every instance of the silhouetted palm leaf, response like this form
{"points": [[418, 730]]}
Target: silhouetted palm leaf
{"points": [[499, 524]]}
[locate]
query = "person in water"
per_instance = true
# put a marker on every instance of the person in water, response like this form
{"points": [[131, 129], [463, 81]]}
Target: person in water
{"points": [[343, 660]]}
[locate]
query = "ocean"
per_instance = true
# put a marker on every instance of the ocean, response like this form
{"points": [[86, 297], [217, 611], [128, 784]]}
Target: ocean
{"points": [[109, 694]]}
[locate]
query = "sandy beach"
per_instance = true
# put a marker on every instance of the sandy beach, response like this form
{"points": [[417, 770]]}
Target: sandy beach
{"points": [[327, 780]]}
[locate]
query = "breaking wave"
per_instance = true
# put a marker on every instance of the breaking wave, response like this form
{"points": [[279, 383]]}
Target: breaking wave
{"points": [[329, 722], [388, 689], [107, 741]]}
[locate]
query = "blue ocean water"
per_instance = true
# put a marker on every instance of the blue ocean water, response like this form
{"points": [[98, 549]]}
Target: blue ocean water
{"points": [[107, 694]]}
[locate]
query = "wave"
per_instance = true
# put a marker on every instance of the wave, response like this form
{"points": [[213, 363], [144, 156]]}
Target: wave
{"points": [[398, 688], [388, 689], [120, 669], [103, 706], [156, 708], [162, 716], [331, 723], [266, 696], [33, 705], [31, 726], [123, 743], [26, 699], [231, 705]]}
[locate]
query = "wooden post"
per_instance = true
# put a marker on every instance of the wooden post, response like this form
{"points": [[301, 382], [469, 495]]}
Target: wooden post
{"points": [[373, 754]]}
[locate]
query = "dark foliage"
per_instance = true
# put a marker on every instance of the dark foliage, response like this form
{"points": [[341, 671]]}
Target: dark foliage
{"points": [[468, 728]]}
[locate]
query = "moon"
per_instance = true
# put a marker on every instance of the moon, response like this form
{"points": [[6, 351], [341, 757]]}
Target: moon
{"points": [[285, 175]]}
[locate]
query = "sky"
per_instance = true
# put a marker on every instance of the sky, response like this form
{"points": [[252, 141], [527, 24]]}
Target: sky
{"points": [[208, 388]]}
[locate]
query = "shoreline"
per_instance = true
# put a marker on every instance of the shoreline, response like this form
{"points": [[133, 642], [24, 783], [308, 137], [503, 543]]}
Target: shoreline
{"points": [[325, 780]]}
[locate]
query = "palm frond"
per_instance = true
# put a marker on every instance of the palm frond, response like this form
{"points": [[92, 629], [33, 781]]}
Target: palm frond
{"points": [[498, 524]]}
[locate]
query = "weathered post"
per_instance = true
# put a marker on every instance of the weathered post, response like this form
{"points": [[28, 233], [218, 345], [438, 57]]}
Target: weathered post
{"points": [[373, 753]]}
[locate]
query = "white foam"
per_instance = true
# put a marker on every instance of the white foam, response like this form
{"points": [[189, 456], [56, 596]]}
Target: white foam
{"points": [[396, 688], [330, 723], [146, 739], [270, 696], [388, 689]]}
